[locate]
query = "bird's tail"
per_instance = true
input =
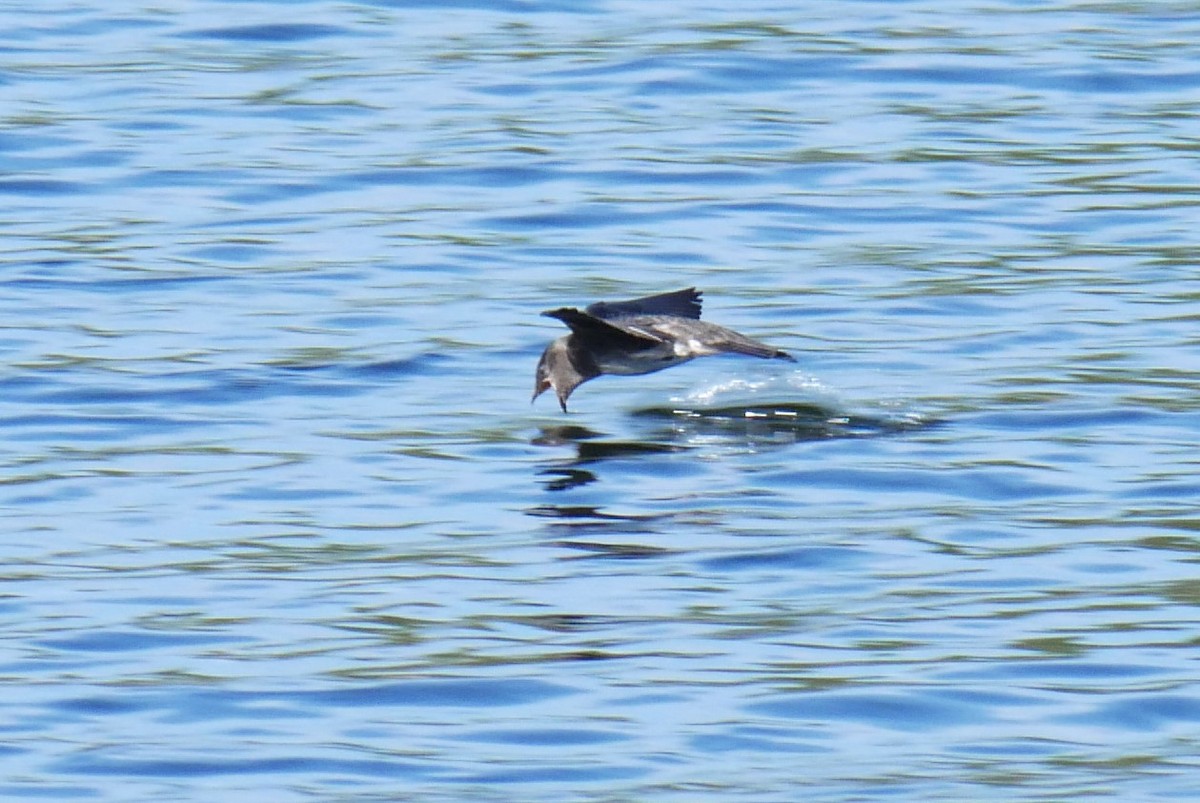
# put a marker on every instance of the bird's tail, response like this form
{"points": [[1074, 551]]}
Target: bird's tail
{"points": [[753, 348]]}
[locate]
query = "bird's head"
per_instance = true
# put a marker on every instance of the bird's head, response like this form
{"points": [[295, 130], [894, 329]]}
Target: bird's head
{"points": [[556, 370]]}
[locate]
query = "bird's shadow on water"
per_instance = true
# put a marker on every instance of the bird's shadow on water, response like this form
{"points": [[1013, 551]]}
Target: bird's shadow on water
{"points": [[681, 427]]}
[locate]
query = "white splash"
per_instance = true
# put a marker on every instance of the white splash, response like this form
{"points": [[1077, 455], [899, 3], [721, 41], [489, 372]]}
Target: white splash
{"points": [[733, 392]]}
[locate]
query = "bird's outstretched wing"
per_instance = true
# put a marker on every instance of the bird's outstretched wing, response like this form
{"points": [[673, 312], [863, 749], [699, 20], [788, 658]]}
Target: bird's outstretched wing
{"points": [[601, 335], [683, 303]]}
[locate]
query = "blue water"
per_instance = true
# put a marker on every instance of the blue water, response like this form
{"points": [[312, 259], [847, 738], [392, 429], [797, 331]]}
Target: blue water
{"points": [[280, 523]]}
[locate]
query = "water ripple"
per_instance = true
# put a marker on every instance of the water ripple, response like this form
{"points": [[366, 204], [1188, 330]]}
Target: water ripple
{"points": [[280, 517]]}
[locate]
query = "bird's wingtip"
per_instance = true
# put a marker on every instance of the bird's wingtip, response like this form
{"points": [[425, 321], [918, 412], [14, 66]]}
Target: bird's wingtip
{"points": [[560, 313]]}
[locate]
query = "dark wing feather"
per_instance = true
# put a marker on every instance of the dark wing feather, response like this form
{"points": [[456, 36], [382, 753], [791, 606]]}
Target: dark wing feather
{"points": [[713, 339], [683, 303], [601, 335]]}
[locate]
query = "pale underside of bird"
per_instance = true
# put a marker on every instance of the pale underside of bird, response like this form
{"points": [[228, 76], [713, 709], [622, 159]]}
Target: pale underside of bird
{"points": [[638, 336]]}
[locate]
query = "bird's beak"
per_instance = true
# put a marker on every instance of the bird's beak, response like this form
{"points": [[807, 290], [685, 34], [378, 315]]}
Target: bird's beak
{"points": [[539, 388]]}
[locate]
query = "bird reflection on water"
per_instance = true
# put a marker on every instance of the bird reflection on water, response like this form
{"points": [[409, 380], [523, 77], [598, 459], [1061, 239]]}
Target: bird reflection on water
{"points": [[741, 427], [590, 447]]}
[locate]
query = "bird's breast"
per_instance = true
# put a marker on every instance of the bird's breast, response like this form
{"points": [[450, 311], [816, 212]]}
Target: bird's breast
{"points": [[644, 361]]}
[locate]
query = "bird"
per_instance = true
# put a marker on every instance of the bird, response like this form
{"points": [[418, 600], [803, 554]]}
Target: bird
{"points": [[638, 336]]}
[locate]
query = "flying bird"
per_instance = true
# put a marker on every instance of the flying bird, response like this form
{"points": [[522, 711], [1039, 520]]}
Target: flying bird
{"points": [[638, 336]]}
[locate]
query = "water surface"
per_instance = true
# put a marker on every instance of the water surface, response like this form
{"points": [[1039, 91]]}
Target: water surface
{"points": [[281, 524]]}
